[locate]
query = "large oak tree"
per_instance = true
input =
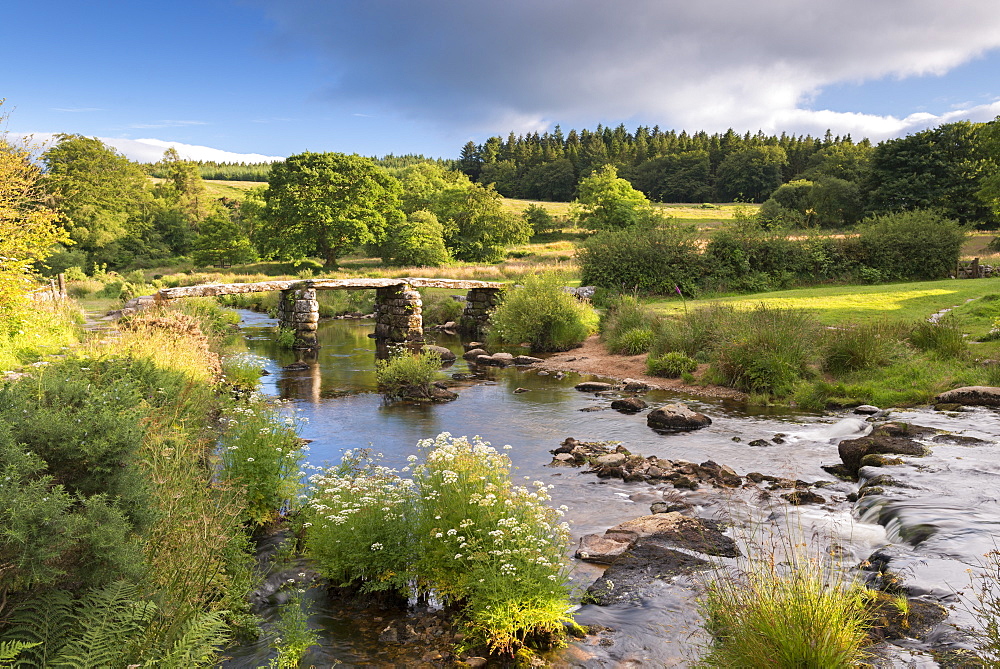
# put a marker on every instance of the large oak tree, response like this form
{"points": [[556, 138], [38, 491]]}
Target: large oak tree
{"points": [[327, 204]]}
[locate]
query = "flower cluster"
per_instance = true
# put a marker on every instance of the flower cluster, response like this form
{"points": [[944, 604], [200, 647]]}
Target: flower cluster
{"points": [[459, 529]]}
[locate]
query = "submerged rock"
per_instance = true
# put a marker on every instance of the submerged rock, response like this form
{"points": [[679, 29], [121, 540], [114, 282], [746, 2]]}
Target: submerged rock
{"points": [[632, 575], [677, 417]]}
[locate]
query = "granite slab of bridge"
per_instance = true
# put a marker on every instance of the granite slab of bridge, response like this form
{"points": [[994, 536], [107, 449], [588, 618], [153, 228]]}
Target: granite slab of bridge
{"points": [[398, 305]]}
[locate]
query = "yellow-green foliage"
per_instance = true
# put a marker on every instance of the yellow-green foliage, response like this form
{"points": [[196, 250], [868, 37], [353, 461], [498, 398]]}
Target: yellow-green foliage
{"points": [[45, 329]]}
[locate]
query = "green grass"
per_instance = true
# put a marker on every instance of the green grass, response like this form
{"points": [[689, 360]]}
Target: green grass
{"points": [[857, 304], [799, 613]]}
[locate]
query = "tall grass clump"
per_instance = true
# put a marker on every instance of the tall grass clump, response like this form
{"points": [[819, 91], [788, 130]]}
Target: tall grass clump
{"points": [[789, 614], [765, 350], [862, 346], [696, 334], [985, 607], [541, 314], [408, 374], [627, 327], [260, 454], [459, 530], [29, 334], [942, 339]]}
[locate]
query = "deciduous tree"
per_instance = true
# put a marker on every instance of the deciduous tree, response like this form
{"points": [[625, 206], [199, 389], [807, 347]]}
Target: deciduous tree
{"points": [[327, 204]]}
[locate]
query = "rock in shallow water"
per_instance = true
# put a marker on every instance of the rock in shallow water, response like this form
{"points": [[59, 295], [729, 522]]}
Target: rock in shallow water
{"points": [[676, 417]]}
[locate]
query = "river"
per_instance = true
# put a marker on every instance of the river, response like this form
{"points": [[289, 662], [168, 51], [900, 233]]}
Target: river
{"points": [[952, 493]]}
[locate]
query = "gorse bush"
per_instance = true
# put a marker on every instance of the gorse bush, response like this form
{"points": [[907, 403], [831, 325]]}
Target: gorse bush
{"points": [[459, 529], [542, 314]]}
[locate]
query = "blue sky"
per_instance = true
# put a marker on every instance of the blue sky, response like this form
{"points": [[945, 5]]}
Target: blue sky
{"points": [[243, 79]]}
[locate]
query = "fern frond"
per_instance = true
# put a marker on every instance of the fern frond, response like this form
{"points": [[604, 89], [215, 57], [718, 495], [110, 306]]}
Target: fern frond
{"points": [[44, 624], [9, 650], [110, 618], [199, 638]]}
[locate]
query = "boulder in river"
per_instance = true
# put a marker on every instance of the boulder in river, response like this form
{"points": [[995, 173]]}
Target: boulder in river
{"points": [[983, 396], [474, 353], [674, 529], [676, 417], [891, 438], [633, 574], [629, 405], [594, 386], [444, 353], [526, 360], [634, 386]]}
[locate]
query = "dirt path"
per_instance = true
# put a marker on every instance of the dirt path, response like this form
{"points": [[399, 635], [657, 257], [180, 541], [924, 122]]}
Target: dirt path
{"points": [[593, 358]]}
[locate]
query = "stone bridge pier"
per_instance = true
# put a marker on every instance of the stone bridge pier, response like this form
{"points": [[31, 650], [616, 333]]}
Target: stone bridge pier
{"points": [[398, 307], [399, 315], [298, 311]]}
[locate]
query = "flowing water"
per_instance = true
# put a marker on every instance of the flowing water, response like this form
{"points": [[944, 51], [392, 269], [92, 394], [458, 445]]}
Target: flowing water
{"points": [[952, 499]]}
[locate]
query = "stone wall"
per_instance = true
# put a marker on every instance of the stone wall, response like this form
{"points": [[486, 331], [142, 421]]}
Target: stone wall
{"points": [[298, 311], [398, 315]]}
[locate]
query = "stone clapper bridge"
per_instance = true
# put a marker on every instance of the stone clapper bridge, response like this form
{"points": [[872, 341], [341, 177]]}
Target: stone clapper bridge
{"points": [[398, 317]]}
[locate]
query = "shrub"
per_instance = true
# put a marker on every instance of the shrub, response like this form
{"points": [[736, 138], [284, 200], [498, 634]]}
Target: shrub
{"points": [[643, 259], [911, 245], [339, 302], [540, 220], [242, 371], [417, 241], [671, 365], [260, 453], [789, 614], [542, 314], [408, 374], [459, 530], [863, 346], [942, 339]]}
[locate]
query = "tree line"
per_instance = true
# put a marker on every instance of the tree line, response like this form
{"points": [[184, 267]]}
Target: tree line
{"points": [[829, 181]]}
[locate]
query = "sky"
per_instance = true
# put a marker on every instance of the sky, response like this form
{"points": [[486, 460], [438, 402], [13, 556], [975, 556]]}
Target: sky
{"points": [[252, 80]]}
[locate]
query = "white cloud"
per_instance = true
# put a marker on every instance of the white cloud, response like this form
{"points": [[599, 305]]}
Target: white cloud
{"points": [[151, 150], [710, 64]]}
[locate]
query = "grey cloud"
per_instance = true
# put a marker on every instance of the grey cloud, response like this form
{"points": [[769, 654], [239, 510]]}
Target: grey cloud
{"points": [[710, 64]]}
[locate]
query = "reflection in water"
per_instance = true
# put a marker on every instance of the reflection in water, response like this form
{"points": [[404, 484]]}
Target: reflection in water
{"points": [[337, 394]]}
